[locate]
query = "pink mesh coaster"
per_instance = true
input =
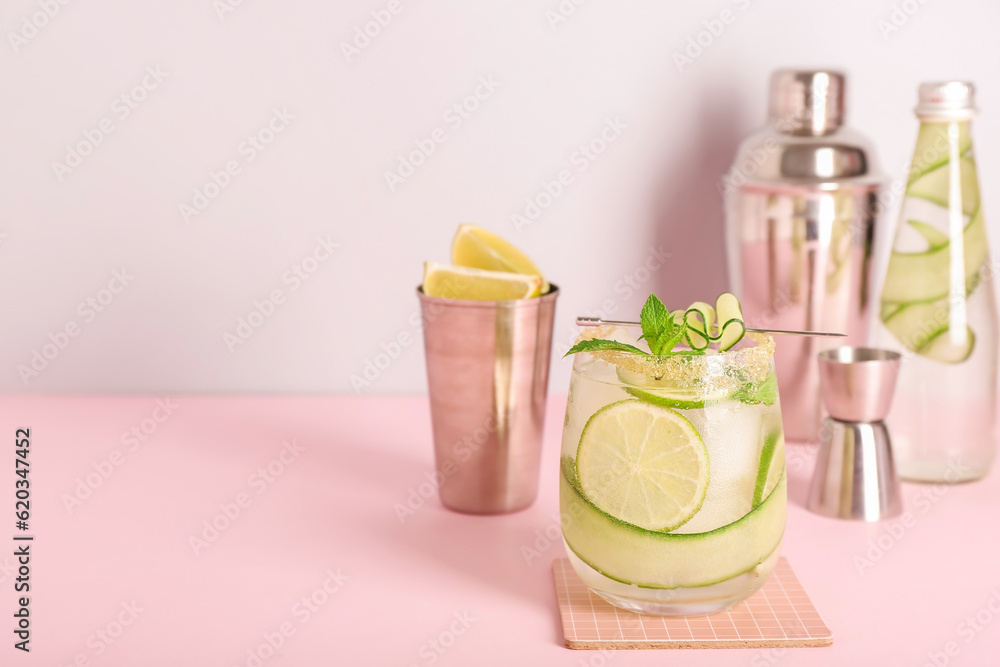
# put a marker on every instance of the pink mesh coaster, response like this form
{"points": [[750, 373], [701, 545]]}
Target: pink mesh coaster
{"points": [[779, 614]]}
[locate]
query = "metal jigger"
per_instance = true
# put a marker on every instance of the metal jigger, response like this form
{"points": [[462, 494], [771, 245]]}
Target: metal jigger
{"points": [[855, 477]]}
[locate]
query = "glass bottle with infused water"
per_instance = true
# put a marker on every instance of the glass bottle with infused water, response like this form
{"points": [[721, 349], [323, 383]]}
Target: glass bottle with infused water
{"points": [[938, 305]]}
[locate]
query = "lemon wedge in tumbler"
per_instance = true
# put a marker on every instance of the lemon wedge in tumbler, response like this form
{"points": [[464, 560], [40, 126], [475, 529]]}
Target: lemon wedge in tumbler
{"points": [[476, 248], [459, 282]]}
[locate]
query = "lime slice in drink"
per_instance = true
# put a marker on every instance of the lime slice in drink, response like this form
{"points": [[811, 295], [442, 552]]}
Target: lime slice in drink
{"points": [[666, 393], [643, 464], [457, 282], [476, 248]]}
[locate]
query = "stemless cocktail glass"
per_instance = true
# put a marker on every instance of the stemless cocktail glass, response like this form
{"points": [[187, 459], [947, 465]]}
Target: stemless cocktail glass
{"points": [[672, 483]]}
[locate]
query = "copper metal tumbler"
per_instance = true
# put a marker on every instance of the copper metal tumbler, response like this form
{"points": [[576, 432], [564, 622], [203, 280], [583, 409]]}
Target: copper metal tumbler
{"points": [[487, 375]]}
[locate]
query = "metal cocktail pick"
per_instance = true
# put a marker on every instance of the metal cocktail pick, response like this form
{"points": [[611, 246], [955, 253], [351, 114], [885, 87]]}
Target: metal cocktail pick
{"points": [[596, 322], [855, 477]]}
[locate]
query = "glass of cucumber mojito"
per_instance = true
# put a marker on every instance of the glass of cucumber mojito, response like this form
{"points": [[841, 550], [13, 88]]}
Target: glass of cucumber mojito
{"points": [[672, 482]]}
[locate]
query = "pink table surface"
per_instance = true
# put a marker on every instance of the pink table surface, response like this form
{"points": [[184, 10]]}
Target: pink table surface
{"points": [[319, 564]]}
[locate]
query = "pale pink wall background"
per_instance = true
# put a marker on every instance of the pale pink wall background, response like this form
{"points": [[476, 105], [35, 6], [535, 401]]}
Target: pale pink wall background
{"points": [[222, 75]]}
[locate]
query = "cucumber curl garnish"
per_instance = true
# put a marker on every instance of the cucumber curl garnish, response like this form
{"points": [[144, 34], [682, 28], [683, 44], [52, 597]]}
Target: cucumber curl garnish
{"points": [[664, 330]]}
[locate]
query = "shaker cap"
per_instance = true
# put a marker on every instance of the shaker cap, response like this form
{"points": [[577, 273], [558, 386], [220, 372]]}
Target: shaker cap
{"points": [[807, 102], [947, 100]]}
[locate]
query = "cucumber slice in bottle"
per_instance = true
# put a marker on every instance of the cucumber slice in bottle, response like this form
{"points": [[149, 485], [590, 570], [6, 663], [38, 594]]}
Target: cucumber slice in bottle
{"points": [[935, 237], [923, 328], [933, 186], [924, 276], [915, 294], [888, 310], [931, 150], [940, 348]]}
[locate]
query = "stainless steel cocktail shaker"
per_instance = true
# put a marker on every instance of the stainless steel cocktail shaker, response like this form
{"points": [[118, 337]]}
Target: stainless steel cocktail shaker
{"points": [[801, 208]]}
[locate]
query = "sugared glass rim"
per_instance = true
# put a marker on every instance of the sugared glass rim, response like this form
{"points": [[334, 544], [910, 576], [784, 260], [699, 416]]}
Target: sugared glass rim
{"points": [[751, 363]]}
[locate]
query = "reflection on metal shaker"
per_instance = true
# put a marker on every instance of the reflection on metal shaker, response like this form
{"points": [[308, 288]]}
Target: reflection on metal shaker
{"points": [[801, 212]]}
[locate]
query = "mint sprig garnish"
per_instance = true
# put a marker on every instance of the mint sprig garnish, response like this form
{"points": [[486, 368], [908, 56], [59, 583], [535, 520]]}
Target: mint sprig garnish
{"points": [[601, 344], [659, 329], [655, 319]]}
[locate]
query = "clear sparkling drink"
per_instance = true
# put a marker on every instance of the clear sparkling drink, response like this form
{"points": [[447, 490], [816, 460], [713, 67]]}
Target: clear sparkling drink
{"points": [[672, 481]]}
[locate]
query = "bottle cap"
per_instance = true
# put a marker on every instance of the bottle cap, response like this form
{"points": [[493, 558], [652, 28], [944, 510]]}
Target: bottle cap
{"points": [[947, 100], [807, 102]]}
